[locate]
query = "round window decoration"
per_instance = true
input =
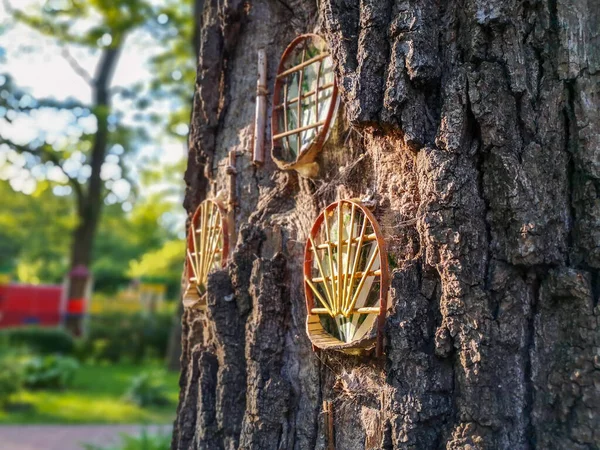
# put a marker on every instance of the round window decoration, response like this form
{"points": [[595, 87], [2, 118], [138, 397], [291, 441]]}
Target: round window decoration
{"points": [[346, 279], [305, 102], [207, 250]]}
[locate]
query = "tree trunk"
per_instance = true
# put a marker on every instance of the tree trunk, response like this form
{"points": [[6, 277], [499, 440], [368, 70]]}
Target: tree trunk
{"points": [[174, 348], [475, 126], [90, 199]]}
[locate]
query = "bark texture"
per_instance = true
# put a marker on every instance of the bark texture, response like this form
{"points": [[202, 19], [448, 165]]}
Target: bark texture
{"points": [[474, 125]]}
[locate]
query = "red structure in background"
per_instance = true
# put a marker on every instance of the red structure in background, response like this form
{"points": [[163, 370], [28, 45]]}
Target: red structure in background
{"points": [[22, 305], [78, 290], [48, 305]]}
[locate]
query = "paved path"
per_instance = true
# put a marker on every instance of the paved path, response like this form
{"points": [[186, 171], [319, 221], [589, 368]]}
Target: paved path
{"points": [[68, 437]]}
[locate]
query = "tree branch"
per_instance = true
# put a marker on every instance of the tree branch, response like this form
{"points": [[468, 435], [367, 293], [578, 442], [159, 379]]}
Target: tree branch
{"points": [[44, 26], [102, 79], [77, 68], [53, 158]]}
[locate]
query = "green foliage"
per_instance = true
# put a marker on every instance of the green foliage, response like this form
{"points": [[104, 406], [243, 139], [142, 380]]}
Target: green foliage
{"points": [[136, 337], [43, 340], [177, 36], [148, 389], [95, 397], [123, 238], [50, 372], [11, 375], [145, 441], [164, 263], [60, 162], [113, 17], [102, 27], [36, 249]]}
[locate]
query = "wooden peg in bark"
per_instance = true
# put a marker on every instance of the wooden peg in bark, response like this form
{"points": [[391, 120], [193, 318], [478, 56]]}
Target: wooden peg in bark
{"points": [[258, 156], [232, 172]]}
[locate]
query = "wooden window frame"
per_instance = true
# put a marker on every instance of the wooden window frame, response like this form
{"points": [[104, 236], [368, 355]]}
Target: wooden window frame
{"points": [[191, 297], [281, 105], [319, 337]]}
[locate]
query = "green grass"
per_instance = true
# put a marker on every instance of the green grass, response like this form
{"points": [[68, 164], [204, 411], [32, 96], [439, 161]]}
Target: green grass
{"points": [[143, 442], [95, 397]]}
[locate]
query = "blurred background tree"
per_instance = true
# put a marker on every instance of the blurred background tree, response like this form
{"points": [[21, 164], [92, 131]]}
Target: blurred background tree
{"points": [[95, 100], [101, 183]]}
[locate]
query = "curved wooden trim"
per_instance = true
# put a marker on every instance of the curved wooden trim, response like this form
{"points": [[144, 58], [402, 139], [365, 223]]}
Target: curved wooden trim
{"points": [[321, 338]]}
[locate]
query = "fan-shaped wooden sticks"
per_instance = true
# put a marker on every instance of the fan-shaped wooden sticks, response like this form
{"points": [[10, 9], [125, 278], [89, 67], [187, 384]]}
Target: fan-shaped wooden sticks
{"points": [[346, 278], [208, 248]]}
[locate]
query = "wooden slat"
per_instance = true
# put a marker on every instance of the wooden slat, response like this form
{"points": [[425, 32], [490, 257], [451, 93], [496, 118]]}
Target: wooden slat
{"points": [[335, 306], [340, 276], [327, 340], [217, 251], [298, 130], [328, 293], [317, 90], [210, 239], [213, 244], [299, 106], [203, 225], [195, 244], [358, 253], [366, 310], [325, 303], [349, 250], [191, 259], [303, 64], [372, 273], [285, 118], [304, 96], [322, 334], [368, 238], [216, 227], [361, 282]]}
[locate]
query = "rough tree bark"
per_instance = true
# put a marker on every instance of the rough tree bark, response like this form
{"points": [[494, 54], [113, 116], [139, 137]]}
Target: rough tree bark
{"points": [[475, 125]]}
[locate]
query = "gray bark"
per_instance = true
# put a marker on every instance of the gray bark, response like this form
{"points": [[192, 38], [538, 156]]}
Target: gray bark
{"points": [[475, 125]]}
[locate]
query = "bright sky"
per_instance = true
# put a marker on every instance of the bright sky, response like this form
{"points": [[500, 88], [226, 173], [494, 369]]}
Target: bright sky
{"points": [[36, 64]]}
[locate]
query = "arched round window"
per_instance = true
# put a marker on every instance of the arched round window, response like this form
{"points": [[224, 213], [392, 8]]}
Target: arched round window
{"points": [[305, 101], [207, 249], [346, 279]]}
